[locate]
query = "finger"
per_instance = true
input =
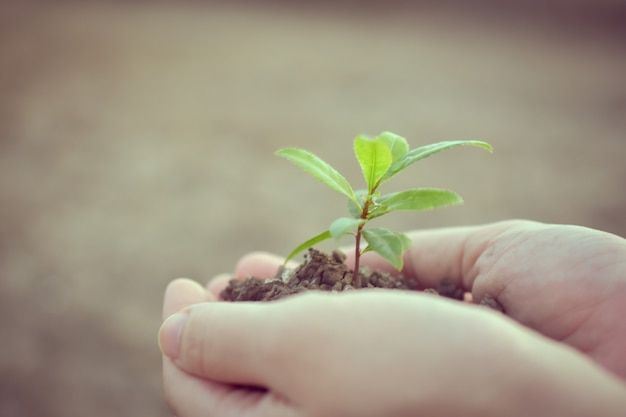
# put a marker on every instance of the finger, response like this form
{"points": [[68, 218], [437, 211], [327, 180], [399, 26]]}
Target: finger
{"points": [[188, 395], [259, 264], [191, 396], [183, 292], [225, 342], [447, 253], [256, 264], [217, 284]]}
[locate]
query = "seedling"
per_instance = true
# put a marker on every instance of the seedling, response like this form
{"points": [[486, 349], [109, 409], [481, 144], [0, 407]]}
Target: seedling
{"points": [[380, 158]]}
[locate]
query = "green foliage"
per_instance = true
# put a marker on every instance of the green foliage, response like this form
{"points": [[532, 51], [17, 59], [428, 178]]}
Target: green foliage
{"points": [[318, 169], [380, 158], [390, 245]]}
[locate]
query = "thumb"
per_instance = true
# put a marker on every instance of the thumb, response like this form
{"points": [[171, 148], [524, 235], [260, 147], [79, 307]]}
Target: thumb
{"points": [[450, 253], [225, 342], [181, 293]]}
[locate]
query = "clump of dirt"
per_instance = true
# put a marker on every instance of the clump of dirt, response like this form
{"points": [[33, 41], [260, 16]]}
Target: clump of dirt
{"points": [[321, 271]]}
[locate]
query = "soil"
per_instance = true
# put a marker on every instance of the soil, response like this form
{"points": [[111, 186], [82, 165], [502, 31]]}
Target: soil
{"points": [[328, 272]]}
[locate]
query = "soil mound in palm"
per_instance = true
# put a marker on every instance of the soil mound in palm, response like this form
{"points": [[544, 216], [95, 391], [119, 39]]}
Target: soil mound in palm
{"points": [[321, 271]]}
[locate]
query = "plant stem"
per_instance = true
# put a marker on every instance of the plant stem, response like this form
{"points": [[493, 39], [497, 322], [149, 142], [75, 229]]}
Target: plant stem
{"points": [[356, 278]]}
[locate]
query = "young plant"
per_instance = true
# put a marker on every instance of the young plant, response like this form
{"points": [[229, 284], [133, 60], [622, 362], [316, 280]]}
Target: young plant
{"points": [[380, 158]]}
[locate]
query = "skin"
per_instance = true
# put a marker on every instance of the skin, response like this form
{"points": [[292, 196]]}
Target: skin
{"points": [[560, 349]]}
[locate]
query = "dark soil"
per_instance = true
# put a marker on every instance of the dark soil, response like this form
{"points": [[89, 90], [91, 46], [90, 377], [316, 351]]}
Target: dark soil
{"points": [[324, 272]]}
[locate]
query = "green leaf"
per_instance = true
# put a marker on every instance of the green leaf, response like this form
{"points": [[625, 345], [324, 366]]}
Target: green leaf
{"points": [[396, 144], [390, 245], [426, 151], [375, 158], [416, 199], [343, 226], [353, 208], [309, 243], [318, 168]]}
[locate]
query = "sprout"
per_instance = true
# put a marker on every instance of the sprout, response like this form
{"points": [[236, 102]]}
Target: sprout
{"points": [[380, 158]]}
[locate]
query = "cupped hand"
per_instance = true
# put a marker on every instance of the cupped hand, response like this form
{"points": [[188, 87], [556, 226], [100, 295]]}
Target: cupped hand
{"points": [[313, 354], [566, 282], [370, 353]]}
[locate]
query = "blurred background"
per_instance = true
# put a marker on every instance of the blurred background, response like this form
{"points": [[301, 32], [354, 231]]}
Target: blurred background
{"points": [[137, 140]]}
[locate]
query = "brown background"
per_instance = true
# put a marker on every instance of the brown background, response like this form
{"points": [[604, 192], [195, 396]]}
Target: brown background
{"points": [[136, 144]]}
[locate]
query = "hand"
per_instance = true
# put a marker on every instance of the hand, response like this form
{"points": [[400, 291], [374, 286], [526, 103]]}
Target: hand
{"points": [[241, 347], [566, 282]]}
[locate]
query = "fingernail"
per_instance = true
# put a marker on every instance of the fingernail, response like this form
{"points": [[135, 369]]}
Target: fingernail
{"points": [[170, 334]]}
